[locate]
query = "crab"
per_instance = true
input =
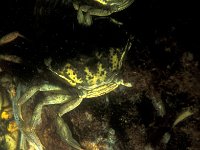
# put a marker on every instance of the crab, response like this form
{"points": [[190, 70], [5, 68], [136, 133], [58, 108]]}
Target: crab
{"points": [[81, 78], [88, 8]]}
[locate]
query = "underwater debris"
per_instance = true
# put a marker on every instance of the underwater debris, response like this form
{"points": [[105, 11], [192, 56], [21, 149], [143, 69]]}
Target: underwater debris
{"points": [[182, 116], [166, 137], [11, 58], [8, 128], [11, 142], [10, 37]]}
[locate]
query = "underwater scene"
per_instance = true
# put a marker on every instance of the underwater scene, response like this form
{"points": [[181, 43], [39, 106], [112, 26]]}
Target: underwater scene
{"points": [[99, 75]]}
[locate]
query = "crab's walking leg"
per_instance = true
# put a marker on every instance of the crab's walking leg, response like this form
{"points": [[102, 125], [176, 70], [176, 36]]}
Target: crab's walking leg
{"points": [[32, 91], [83, 17], [57, 96], [30, 136], [53, 98], [62, 128], [67, 107]]}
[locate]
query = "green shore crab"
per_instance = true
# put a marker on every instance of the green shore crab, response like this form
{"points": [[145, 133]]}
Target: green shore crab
{"points": [[83, 78], [88, 8]]}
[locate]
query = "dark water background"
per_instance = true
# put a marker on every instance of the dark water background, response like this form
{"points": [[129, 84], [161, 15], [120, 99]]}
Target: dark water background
{"points": [[156, 25], [57, 28]]}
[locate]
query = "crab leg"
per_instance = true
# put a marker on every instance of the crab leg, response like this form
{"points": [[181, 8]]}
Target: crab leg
{"points": [[28, 135], [53, 98], [62, 128], [69, 106], [32, 91], [57, 96], [65, 133]]}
